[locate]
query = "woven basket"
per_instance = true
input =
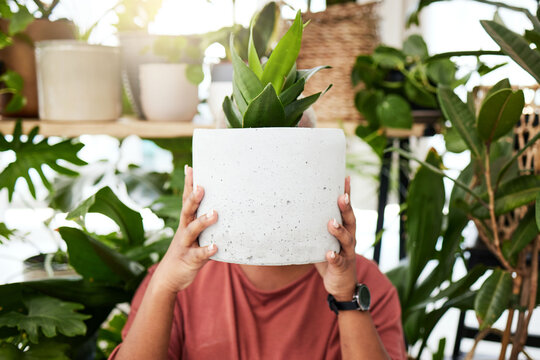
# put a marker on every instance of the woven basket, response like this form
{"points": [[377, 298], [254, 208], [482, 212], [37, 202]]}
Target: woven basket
{"points": [[336, 37]]}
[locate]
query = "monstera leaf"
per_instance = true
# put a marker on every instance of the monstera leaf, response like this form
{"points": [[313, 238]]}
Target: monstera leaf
{"points": [[32, 155], [51, 316]]}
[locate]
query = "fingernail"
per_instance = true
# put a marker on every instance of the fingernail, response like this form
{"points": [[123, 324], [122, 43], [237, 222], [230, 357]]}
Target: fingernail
{"points": [[210, 214], [346, 199], [335, 223], [185, 169], [333, 255], [211, 247]]}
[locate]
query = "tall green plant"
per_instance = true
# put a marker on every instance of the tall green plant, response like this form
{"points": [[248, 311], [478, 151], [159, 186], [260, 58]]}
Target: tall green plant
{"points": [[267, 95]]}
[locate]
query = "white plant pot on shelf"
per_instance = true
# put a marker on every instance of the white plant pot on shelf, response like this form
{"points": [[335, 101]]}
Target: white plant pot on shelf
{"points": [[275, 190], [166, 93], [78, 81]]}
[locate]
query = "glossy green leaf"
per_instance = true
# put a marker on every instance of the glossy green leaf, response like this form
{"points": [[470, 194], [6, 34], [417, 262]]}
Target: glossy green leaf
{"points": [[417, 94], [522, 236], [12, 81], [533, 37], [239, 99], [45, 350], [284, 56], [96, 261], [415, 46], [306, 74], [16, 103], [290, 94], [512, 194], [20, 20], [499, 114], [264, 27], [453, 140], [515, 46], [30, 155], [373, 138], [462, 119], [366, 72], [424, 201], [245, 80], [367, 102], [442, 71], [253, 57], [294, 110], [502, 84], [493, 298], [388, 57], [107, 203], [234, 117], [395, 112], [265, 110], [513, 160], [47, 315], [484, 69], [291, 78]]}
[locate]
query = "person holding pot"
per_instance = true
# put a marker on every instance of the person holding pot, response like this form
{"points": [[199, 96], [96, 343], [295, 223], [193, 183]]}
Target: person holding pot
{"points": [[188, 307]]}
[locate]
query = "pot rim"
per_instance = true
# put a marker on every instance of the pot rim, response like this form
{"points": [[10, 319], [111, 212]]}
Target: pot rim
{"points": [[64, 44], [267, 129]]}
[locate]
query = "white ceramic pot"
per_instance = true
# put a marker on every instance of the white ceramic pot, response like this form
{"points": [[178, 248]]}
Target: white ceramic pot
{"points": [[166, 93], [78, 81], [275, 189]]}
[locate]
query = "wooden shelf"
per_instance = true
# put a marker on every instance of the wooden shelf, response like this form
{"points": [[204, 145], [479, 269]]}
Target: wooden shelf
{"points": [[127, 126]]}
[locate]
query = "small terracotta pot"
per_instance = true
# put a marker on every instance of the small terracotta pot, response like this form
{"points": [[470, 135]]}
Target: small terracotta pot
{"points": [[20, 58]]}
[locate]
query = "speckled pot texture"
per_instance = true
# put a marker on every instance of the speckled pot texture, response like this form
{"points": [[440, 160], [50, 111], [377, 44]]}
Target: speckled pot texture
{"points": [[275, 189]]}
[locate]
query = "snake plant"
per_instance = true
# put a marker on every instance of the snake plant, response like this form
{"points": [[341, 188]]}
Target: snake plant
{"points": [[268, 95]]}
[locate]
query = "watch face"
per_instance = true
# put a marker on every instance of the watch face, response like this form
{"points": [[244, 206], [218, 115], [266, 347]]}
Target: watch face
{"points": [[364, 297]]}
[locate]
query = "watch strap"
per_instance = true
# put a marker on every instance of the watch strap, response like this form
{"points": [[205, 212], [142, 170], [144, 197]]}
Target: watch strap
{"points": [[336, 306]]}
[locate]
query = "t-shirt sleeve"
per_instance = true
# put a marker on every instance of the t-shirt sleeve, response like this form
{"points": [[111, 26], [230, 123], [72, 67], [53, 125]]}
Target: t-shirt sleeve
{"points": [[385, 308], [174, 351]]}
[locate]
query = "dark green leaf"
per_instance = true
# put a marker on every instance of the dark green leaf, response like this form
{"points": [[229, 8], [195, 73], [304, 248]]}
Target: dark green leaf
{"points": [[462, 119], [294, 110], [264, 26], [290, 94], [265, 110], [253, 57], [503, 84], [439, 355], [234, 117], [454, 142], [365, 71], [96, 261], [50, 315], [20, 20], [388, 57], [512, 162], [415, 46], [291, 77], [417, 94], [107, 203], [395, 112], [493, 298], [31, 155], [45, 350], [522, 236], [515, 193], [5, 232], [284, 56], [12, 81], [483, 69], [373, 138], [367, 102], [515, 46], [424, 201], [499, 114], [442, 71], [245, 80], [533, 37]]}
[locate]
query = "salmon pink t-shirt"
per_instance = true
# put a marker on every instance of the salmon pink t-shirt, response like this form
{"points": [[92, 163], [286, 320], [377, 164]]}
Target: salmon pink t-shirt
{"points": [[222, 315]]}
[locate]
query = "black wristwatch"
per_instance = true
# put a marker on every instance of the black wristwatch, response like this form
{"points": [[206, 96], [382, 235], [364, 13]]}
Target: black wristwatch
{"points": [[360, 301]]}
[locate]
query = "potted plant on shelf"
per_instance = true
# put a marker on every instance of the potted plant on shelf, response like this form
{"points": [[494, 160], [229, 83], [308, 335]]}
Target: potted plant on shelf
{"points": [[19, 30], [264, 168], [169, 91]]}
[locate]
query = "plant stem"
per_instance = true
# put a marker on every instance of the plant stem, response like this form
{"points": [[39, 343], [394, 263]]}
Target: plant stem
{"points": [[506, 335], [450, 54], [481, 335]]}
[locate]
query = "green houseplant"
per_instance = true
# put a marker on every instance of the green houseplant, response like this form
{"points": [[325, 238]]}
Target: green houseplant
{"points": [[499, 197], [263, 113], [19, 29]]}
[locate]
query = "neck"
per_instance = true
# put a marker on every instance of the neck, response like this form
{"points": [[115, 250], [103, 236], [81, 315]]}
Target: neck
{"points": [[274, 277]]}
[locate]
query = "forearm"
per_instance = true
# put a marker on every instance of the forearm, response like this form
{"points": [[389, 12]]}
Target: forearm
{"points": [[358, 336], [149, 335]]}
